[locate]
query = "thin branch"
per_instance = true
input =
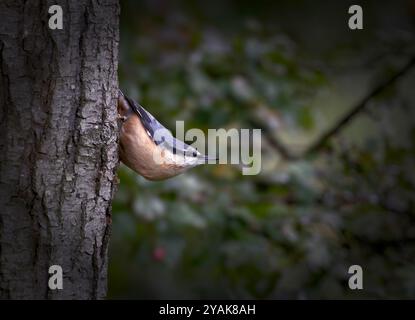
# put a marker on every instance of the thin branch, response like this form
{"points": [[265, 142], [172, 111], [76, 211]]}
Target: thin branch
{"points": [[358, 108], [273, 140], [339, 125]]}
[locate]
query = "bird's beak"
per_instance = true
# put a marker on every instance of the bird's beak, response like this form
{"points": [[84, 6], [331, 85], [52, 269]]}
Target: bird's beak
{"points": [[206, 159]]}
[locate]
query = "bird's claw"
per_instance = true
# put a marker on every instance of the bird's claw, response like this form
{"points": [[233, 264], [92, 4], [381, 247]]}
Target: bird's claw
{"points": [[122, 118]]}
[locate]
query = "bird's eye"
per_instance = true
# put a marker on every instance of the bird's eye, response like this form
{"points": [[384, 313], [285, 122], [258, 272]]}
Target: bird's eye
{"points": [[194, 154]]}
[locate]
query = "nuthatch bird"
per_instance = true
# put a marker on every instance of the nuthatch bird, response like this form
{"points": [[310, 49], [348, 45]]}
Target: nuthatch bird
{"points": [[143, 140]]}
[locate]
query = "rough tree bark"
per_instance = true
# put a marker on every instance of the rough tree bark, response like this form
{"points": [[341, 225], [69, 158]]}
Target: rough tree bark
{"points": [[58, 147]]}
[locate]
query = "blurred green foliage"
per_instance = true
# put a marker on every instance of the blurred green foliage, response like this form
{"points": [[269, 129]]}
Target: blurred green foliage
{"points": [[293, 230]]}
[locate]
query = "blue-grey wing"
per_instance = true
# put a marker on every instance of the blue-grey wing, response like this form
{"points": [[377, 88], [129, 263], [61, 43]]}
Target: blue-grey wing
{"points": [[155, 129], [158, 133], [179, 147], [176, 146]]}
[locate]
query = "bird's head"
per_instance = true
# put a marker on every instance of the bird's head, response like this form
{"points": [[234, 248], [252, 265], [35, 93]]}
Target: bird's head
{"points": [[183, 158], [193, 157]]}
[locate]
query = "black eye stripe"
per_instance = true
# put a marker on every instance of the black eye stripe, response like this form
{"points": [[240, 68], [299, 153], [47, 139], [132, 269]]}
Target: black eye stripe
{"points": [[186, 153]]}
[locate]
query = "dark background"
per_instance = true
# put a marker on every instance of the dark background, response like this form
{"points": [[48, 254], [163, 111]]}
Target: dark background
{"points": [[295, 69]]}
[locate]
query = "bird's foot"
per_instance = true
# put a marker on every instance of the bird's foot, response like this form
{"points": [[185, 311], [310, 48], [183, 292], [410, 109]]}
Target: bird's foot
{"points": [[122, 118]]}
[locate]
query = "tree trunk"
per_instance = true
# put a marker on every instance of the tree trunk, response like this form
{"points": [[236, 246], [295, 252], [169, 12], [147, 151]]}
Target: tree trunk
{"points": [[58, 147]]}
